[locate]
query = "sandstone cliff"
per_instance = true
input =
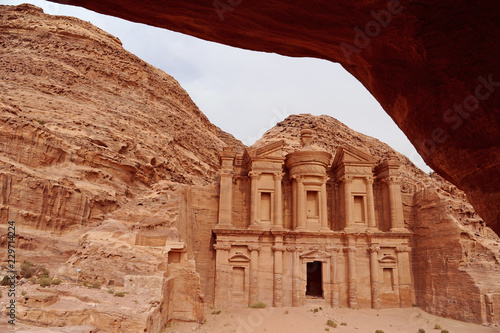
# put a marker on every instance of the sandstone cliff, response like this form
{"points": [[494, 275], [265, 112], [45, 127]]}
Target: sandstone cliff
{"points": [[110, 171], [85, 125]]}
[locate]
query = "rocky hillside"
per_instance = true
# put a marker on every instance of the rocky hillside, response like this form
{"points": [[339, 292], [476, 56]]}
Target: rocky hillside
{"points": [[86, 125], [104, 158]]}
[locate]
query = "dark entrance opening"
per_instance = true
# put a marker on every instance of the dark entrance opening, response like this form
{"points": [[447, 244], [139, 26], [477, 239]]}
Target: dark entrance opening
{"points": [[314, 279]]}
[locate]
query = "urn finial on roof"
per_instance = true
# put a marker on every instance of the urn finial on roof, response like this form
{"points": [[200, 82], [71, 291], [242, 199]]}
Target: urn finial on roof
{"points": [[306, 136]]}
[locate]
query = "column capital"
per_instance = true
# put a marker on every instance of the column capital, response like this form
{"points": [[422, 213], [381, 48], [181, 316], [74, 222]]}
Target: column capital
{"points": [[226, 173], [222, 246], [254, 247], [278, 176], [350, 249], [293, 248], [332, 249], [278, 248], [369, 180], [373, 248], [253, 174], [346, 179]]}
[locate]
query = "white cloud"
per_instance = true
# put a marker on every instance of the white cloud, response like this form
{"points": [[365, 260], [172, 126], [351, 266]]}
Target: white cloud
{"points": [[245, 92]]}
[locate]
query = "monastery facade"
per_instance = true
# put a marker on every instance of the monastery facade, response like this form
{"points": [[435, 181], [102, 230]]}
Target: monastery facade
{"points": [[307, 227]]}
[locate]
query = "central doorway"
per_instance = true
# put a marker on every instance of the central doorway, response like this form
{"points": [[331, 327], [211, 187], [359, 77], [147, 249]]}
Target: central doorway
{"points": [[314, 286]]}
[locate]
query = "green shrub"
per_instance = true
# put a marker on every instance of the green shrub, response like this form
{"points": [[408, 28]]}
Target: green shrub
{"points": [[444, 331], [315, 310], [437, 327], [45, 273], [92, 285], [421, 330], [119, 294], [27, 269], [216, 312], [379, 331], [259, 305], [5, 281], [111, 291], [56, 282], [331, 323], [45, 281], [343, 324]]}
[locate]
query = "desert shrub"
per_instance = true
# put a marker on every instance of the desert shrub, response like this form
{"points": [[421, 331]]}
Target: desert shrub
{"points": [[45, 281], [315, 310], [5, 281], [444, 331], [27, 269], [56, 281], [45, 273], [343, 324], [286, 311], [379, 331], [259, 305], [119, 294], [421, 330], [331, 323], [216, 312], [92, 285], [111, 291]]}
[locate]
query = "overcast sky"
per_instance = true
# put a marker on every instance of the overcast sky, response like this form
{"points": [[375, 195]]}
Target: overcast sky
{"points": [[244, 92]]}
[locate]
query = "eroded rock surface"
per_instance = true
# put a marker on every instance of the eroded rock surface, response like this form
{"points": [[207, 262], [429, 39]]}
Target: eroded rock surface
{"points": [[432, 65], [99, 172]]}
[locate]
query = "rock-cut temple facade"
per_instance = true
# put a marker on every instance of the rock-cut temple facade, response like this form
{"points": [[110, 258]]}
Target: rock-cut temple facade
{"points": [[310, 227]]}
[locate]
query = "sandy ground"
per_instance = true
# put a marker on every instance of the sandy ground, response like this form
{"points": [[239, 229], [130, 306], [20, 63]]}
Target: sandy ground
{"points": [[288, 320]]}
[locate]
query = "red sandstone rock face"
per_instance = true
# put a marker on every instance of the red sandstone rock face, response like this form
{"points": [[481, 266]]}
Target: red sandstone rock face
{"points": [[85, 125], [61, 171], [432, 65]]}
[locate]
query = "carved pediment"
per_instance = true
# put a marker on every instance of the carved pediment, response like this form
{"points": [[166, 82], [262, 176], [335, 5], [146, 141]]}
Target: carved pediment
{"points": [[270, 150], [315, 254], [239, 257], [388, 260], [351, 155]]}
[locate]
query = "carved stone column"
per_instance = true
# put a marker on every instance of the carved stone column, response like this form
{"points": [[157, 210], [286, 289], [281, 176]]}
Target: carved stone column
{"points": [[301, 204], [334, 276], [222, 274], [295, 250], [278, 205], [254, 198], [253, 296], [404, 278], [351, 272], [226, 157], [278, 276], [226, 199], [324, 209], [371, 203], [395, 204], [374, 270], [348, 201]]}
